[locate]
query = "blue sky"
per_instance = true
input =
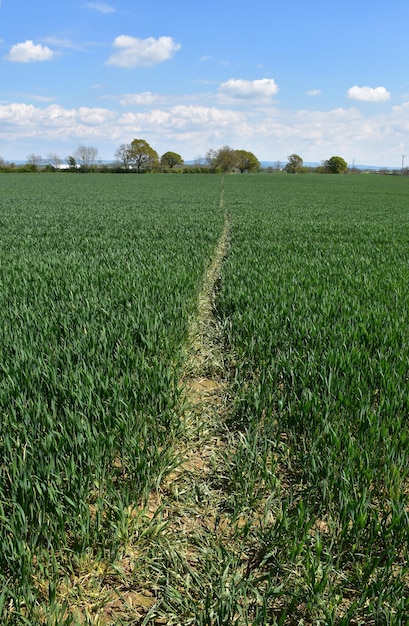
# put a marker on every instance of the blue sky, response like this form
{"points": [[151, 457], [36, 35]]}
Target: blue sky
{"points": [[318, 78]]}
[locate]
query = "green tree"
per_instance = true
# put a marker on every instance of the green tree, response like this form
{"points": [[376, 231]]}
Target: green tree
{"points": [[72, 163], [295, 164], [246, 161], [142, 155], [336, 165], [223, 159], [169, 160]]}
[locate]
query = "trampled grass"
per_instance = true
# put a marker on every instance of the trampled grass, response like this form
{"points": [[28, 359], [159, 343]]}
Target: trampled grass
{"points": [[291, 505]]}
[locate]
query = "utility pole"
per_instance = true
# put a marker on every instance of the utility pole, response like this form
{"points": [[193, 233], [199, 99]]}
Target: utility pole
{"points": [[403, 160]]}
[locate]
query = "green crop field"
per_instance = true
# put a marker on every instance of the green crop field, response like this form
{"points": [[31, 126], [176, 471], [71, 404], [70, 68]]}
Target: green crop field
{"points": [[315, 307], [281, 496], [98, 279]]}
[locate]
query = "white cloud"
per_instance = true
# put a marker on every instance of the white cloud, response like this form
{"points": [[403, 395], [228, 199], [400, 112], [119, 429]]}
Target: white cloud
{"points": [[181, 119], [144, 98], [313, 92], [194, 116], [190, 127], [15, 113], [29, 52], [134, 52], [102, 7], [94, 115], [53, 120], [238, 88], [402, 108], [368, 94]]}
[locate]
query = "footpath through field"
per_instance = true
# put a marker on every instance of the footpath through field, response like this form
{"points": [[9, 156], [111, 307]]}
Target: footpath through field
{"points": [[194, 562], [177, 538]]}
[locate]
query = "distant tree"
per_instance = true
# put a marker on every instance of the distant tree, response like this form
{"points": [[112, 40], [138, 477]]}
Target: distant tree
{"points": [[54, 160], [336, 165], [224, 159], [86, 155], [227, 159], [72, 163], [142, 155], [211, 159], [169, 160], [246, 161], [35, 160], [122, 154], [295, 164]]}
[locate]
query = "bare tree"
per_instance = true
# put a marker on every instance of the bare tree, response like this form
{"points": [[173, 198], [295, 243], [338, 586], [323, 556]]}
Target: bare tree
{"points": [[86, 156], [34, 159], [123, 154], [54, 160]]}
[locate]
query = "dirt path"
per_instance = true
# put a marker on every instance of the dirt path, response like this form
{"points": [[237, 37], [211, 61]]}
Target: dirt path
{"points": [[188, 499]]}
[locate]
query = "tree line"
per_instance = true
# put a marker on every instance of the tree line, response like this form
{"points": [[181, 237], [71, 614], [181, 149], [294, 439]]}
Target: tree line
{"points": [[334, 165], [139, 157]]}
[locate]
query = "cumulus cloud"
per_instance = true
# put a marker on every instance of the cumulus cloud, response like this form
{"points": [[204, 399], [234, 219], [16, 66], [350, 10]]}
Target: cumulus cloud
{"points": [[183, 119], [185, 126], [134, 52], [191, 128], [192, 115], [368, 94], [238, 88], [143, 98], [402, 108], [29, 52], [53, 121], [102, 7]]}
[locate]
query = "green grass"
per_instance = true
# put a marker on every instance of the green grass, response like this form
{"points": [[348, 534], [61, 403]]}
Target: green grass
{"points": [[314, 303], [299, 515], [99, 277]]}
